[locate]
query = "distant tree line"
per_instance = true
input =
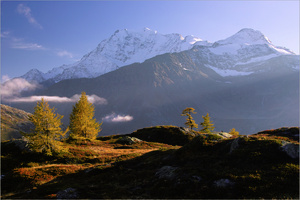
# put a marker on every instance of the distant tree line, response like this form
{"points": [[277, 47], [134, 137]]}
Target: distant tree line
{"points": [[207, 124]]}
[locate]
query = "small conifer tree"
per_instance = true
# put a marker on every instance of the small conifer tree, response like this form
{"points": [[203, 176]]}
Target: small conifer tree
{"points": [[82, 121], [46, 134], [234, 132], [207, 125], [189, 120]]}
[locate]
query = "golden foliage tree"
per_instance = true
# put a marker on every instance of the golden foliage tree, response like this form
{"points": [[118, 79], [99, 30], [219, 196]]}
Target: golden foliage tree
{"points": [[46, 135], [207, 125], [82, 121], [234, 132], [189, 120]]}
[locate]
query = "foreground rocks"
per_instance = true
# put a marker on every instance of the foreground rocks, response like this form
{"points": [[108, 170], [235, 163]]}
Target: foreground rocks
{"points": [[166, 172], [290, 149], [69, 193], [128, 140]]}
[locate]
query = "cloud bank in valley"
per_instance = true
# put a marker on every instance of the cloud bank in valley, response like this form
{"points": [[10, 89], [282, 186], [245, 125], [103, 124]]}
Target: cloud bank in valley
{"points": [[117, 118], [12, 89], [94, 99], [5, 78]]}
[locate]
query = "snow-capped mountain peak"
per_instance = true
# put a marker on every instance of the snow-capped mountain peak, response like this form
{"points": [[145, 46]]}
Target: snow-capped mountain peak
{"points": [[34, 75], [248, 39], [246, 36], [122, 48], [127, 46], [192, 39]]}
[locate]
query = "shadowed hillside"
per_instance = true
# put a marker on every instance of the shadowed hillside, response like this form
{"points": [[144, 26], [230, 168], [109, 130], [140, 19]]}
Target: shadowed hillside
{"points": [[263, 165], [12, 122], [156, 91]]}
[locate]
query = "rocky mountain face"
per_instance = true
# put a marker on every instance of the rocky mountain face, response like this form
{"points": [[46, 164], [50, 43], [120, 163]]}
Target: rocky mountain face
{"points": [[155, 92], [13, 121], [124, 47], [243, 82]]}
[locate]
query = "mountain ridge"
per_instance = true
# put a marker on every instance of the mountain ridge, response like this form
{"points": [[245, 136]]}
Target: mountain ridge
{"points": [[156, 91], [127, 46], [249, 87], [122, 48]]}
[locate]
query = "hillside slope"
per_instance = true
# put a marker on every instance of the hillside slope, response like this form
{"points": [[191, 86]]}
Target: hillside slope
{"points": [[12, 122], [155, 92], [260, 166], [243, 82]]}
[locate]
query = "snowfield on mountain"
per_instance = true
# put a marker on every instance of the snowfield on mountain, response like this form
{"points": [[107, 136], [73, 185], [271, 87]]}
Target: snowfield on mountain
{"points": [[125, 47]]}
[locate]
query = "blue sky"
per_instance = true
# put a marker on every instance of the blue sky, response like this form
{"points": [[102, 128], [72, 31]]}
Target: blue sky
{"points": [[44, 35]]}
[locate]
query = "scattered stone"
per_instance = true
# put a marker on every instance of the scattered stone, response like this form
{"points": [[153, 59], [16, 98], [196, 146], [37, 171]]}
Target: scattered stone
{"points": [[22, 144], [166, 172], [128, 140], [185, 130], [136, 188], [89, 170], [290, 149], [224, 135], [223, 183], [69, 193], [235, 144], [196, 178]]}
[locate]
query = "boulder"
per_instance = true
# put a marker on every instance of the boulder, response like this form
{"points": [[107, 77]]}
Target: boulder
{"points": [[166, 172], [223, 183], [185, 130], [128, 140], [69, 193], [196, 178], [224, 135], [290, 149], [21, 144], [235, 144]]}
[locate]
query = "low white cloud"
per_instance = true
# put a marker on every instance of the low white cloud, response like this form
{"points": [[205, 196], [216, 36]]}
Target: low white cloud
{"points": [[26, 11], [117, 118], [12, 93], [38, 98], [20, 43], [94, 99], [65, 54], [5, 34], [26, 46], [14, 87], [5, 78]]}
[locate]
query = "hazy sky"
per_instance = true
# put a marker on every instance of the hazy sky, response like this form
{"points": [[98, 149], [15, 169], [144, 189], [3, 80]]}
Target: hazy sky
{"points": [[44, 35]]}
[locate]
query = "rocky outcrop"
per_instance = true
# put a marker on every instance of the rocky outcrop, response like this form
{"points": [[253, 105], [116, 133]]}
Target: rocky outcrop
{"points": [[224, 135], [128, 140], [166, 172], [235, 144], [69, 193], [223, 183], [21, 144], [290, 149]]}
